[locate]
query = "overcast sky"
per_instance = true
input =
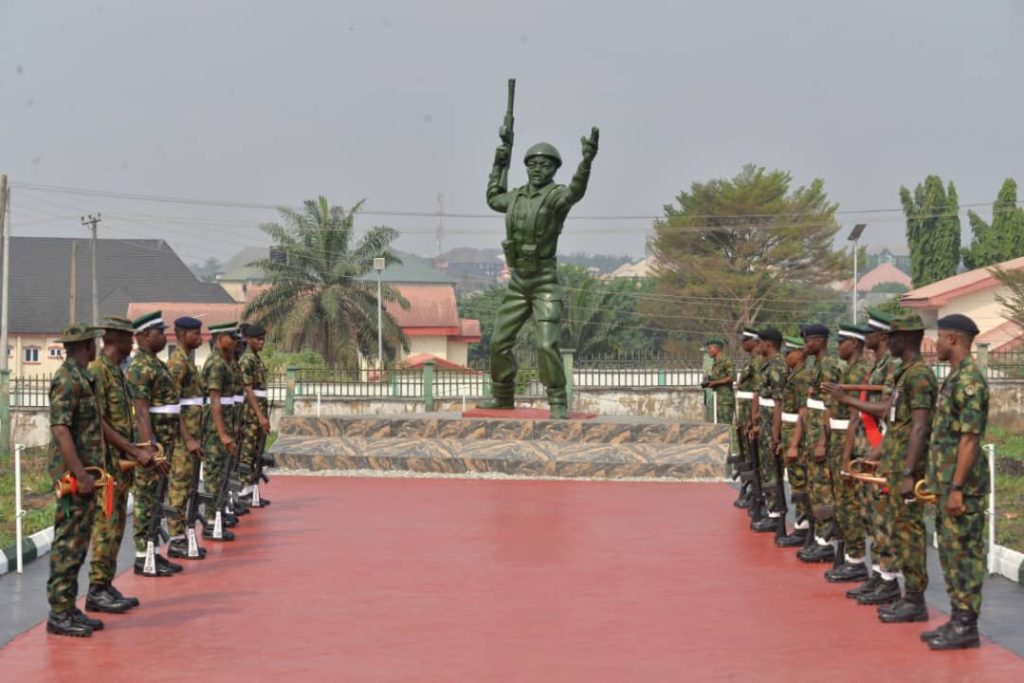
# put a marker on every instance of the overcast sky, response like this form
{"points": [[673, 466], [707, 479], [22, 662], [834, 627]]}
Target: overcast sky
{"points": [[400, 101]]}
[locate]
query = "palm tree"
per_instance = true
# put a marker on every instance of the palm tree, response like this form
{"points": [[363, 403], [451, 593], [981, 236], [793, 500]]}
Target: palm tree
{"points": [[318, 298]]}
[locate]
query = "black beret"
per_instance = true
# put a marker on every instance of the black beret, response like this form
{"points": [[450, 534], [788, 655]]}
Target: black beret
{"points": [[253, 330], [770, 334], [188, 323], [958, 322], [814, 331]]}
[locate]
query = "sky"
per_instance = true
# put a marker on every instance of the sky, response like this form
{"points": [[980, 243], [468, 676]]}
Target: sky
{"points": [[251, 104]]}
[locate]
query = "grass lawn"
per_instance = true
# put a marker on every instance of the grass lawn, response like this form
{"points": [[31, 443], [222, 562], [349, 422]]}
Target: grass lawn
{"points": [[1009, 442], [36, 494]]}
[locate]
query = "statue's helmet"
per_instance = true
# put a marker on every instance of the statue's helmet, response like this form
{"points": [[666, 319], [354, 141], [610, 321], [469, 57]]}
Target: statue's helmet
{"points": [[544, 149]]}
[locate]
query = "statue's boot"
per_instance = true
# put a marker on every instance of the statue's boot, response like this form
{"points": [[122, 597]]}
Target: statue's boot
{"points": [[502, 397], [558, 404]]}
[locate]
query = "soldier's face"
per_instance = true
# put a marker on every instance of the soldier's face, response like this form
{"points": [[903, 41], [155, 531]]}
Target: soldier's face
{"points": [[714, 350], [191, 339], [814, 344], [540, 170], [749, 345], [847, 347], [944, 345], [871, 340], [256, 343], [793, 358]]}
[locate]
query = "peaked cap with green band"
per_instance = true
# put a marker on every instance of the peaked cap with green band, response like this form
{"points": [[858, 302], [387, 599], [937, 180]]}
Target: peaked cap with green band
{"points": [[118, 324], [716, 341], [749, 332], [79, 332], [879, 320], [793, 343], [857, 332], [906, 322], [223, 328], [145, 322]]}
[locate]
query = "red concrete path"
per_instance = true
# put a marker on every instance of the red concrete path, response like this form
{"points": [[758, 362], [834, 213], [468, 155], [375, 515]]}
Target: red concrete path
{"points": [[453, 580]]}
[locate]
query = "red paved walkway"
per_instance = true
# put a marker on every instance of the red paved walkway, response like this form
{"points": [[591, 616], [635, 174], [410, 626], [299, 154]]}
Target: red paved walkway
{"points": [[452, 580]]}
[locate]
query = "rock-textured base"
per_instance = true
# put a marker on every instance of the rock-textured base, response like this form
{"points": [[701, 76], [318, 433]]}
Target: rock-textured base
{"points": [[447, 443], [521, 414]]}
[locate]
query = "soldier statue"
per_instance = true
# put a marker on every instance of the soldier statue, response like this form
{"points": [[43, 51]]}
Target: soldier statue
{"points": [[534, 216]]}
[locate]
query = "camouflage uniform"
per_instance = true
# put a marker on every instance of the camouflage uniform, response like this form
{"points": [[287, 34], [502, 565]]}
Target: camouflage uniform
{"points": [[819, 477], [874, 500], [770, 385], [254, 374], [725, 399], [915, 389], [794, 397], [222, 376], [848, 502], [746, 384], [115, 398], [152, 383], [962, 409], [188, 383], [74, 404]]}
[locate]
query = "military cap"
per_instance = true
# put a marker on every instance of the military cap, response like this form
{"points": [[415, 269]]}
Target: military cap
{"points": [[77, 332], [236, 335], [253, 331], [224, 328], [716, 341], [749, 332], [854, 331], [543, 149], [187, 322], [118, 324], [879, 320], [145, 322], [958, 322], [906, 322], [770, 334], [814, 330], [793, 343]]}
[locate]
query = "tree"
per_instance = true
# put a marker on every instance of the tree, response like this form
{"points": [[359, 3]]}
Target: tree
{"points": [[933, 230], [316, 299], [1004, 238], [208, 270], [890, 288], [1013, 302], [747, 249]]}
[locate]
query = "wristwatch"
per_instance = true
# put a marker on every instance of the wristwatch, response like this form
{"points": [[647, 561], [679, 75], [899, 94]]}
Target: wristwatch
{"points": [[956, 487]]}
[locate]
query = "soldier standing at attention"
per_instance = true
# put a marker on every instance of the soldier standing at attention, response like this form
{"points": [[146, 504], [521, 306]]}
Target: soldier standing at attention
{"points": [[744, 398], [221, 383], [960, 479], [768, 425], [157, 410], [794, 398], [846, 442], [188, 332], [119, 433], [255, 411], [75, 423], [720, 379]]}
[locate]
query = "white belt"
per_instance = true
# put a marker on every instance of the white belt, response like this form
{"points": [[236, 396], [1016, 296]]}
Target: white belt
{"points": [[197, 401], [790, 417], [815, 404], [839, 425], [745, 395], [165, 410], [767, 402], [238, 398], [260, 393], [223, 400]]}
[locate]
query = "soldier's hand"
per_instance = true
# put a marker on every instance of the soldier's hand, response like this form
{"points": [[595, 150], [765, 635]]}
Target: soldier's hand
{"points": [[792, 454], [907, 488], [264, 424], [503, 155], [86, 484], [193, 447], [227, 442], [162, 466], [875, 454], [834, 391], [819, 452], [955, 503], [141, 456], [590, 144]]}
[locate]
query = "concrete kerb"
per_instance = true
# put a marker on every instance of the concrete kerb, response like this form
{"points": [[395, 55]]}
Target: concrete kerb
{"points": [[35, 546]]}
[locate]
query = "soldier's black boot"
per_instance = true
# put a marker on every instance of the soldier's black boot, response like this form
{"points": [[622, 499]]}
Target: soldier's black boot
{"points": [[78, 616], [910, 608], [867, 587], [100, 599], [961, 632], [766, 524], [793, 540], [847, 572], [178, 547], [502, 397], [162, 561], [884, 593], [809, 541], [133, 601], [64, 624], [226, 534], [558, 404], [140, 568], [934, 633], [840, 554]]}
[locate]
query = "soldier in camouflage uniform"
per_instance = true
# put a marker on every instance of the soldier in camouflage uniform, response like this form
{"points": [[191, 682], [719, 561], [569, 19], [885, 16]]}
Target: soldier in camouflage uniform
{"points": [[188, 332], [827, 368], [768, 426], [794, 399], [119, 432], [719, 379], [846, 442], [745, 385], [222, 383], [959, 477], [75, 423], [157, 410], [255, 411]]}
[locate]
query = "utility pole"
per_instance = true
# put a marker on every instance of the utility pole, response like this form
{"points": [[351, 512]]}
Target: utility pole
{"points": [[93, 221], [379, 263], [855, 238], [5, 371], [73, 294]]}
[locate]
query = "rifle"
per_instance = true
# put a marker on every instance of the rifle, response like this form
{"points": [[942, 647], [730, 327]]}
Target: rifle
{"points": [[505, 132], [780, 497], [261, 461], [155, 533], [752, 476], [195, 498]]}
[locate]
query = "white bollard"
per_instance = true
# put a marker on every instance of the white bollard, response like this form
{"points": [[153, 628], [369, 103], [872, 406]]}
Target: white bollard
{"points": [[990, 451], [19, 514]]}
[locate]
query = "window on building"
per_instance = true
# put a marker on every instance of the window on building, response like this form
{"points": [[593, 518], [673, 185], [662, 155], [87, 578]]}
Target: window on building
{"points": [[31, 354], [55, 352]]}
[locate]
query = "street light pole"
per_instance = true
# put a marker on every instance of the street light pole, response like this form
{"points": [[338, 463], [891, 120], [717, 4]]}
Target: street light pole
{"points": [[378, 265], [855, 238]]}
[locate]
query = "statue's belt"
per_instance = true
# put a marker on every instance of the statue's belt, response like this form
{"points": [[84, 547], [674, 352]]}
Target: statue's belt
{"points": [[532, 265]]}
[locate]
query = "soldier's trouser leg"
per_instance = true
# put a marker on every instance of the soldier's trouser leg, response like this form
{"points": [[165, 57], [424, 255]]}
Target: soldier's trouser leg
{"points": [[512, 315], [725, 412], [963, 553], [766, 459], [250, 446], [908, 542], [546, 295], [213, 473], [848, 514], [796, 472], [740, 419], [71, 533], [178, 487], [145, 490], [882, 548], [107, 533], [819, 488]]}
